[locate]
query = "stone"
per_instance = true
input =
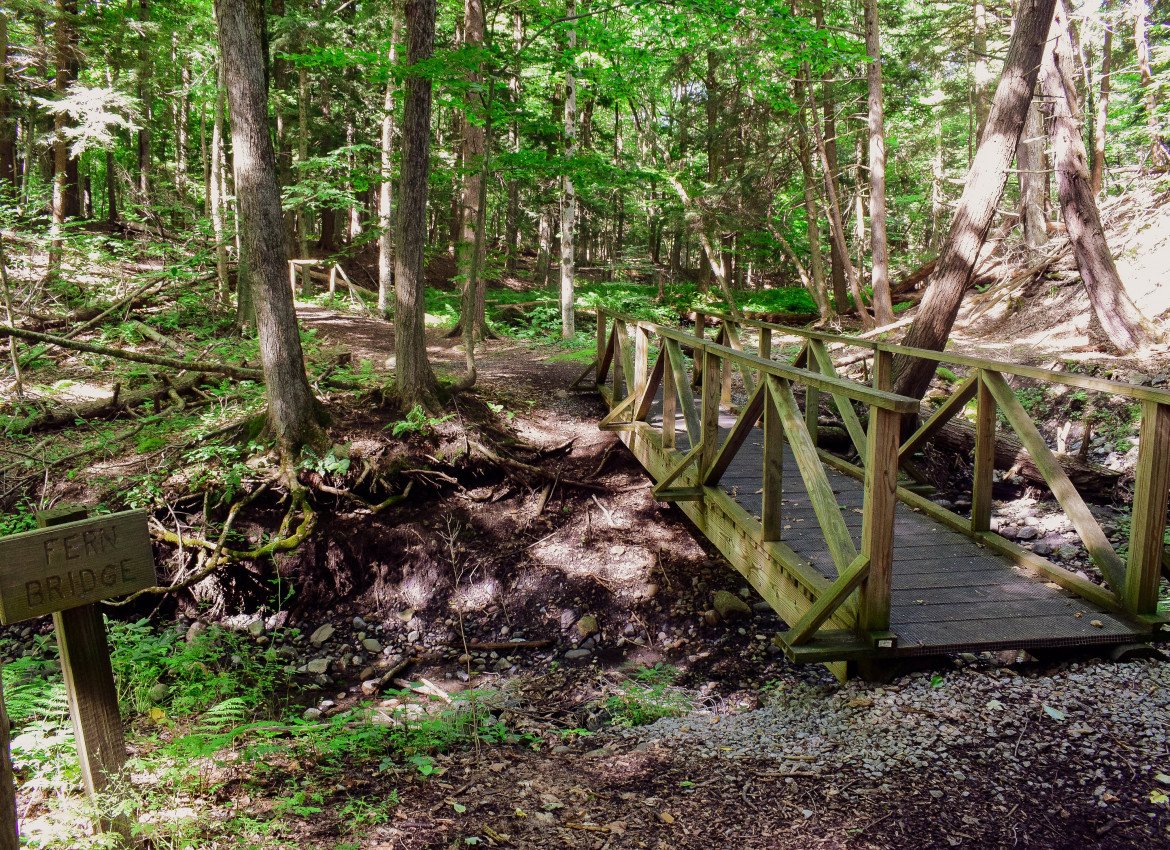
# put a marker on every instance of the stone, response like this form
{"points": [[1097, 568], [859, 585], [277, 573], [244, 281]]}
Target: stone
{"points": [[322, 634], [729, 606], [312, 714], [318, 665], [577, 654], [372, 645], [587, 626], [159, 693], [412, 637], [359, 623], [256, 627], [1028, 532], [197, 628]]}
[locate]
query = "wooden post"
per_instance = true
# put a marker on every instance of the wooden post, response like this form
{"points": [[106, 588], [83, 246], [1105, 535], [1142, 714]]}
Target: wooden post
{"points": [[1151, 488], [984, 458], [89, 682], [709, 412], [765, 344], [877, 526], [292, 277], [883, 370], [697, 354], [812, 408], [601, 340], [669, 400], [773, 467], [641, 361]]}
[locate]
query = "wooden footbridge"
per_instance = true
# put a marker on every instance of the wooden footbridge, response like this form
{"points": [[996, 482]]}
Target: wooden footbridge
{"points": [[863, 568]]}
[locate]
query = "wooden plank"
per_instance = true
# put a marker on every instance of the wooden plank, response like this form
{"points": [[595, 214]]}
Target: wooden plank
{"points": [[709, 412], [604, 353], [1095, 540], [619, 409], [641, 362], [945, 413], [837, 536], [683, 385], [883, 370], [89, 678], [743, 427], [627, 355], [766, 343], [74, 563], [771, 520], [679, 494], [9, 823], [1151, 488], [983, 474], [734, 342], [829, 646], [877, 530], [843, 404], [648, 391], [671, 476], [828, 602], [669, 401]]}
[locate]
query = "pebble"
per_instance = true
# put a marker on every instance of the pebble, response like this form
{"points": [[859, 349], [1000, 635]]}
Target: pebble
{"points": [[372, 645], [575, 654], [359, 623], [322, 634], [318, 665]]}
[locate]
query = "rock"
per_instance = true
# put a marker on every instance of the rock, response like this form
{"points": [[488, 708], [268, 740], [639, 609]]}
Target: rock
{"points": [[159, 693], [256, 627], [576, 654], [359, 623], [710, 617], [197, 628], [372, 645], [1042, 548], [312, 714], [318, 665], [1028, 532], [587, 626], [412, 637], [368, 672], [1066, 553], [370, 687], [322, 634], [729, 606]]}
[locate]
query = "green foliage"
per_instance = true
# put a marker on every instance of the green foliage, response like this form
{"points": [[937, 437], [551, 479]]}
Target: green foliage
{"points": [[417, 421], [649, 697]]}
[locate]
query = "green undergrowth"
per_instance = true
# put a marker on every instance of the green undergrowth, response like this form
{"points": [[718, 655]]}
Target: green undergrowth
{"points": [[222, 754], [649, 694]]}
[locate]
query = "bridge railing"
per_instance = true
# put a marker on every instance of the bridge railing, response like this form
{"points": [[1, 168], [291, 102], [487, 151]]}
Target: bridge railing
{"points": [[637, 359], [983, 394]]}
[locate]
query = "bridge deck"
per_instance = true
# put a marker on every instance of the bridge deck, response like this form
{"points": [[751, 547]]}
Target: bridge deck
{"points": [[949, 593]]}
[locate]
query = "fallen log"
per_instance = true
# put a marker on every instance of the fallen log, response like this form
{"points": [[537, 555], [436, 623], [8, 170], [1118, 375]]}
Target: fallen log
{"points": [[67, 414], [1095, 483]]}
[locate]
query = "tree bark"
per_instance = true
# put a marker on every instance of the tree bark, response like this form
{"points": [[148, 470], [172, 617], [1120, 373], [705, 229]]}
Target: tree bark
{"points": [[386, 184], [467, 249], [512, 213], [883, 308], [569, 200], [217, 179], [829, 109], [1100, 125], [1031, 166], [292, 411], [815, 280], [145, 97], [1159, 156], [980, 73], [7, 118], [64, 42], [1124, 324], [416, 381], [981, 194]]}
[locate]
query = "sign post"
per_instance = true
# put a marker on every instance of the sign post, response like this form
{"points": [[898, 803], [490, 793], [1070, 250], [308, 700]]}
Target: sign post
{"points": [[65, 568]]}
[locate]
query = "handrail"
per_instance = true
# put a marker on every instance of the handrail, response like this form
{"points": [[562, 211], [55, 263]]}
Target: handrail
{"points": [[1087, 382], [858, 392]]}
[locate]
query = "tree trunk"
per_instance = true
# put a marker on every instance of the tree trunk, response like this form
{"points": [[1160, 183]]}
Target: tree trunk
{"points": [[814, 282], [1159, 155], [301, 224], [1123, 323], [386, 185], [883, 308], [292, 410], [981, 73], [1100, 126], [7, 119], [145, 96], [981, 194], [111, 188], [64, 38], [512, 213], [829, 109], [1031, 165], [569, 201], [416, 381], [467, 259], [217, 185]]}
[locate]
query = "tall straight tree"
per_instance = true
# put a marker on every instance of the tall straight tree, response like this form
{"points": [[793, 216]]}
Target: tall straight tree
{"points": [[468, 249], [981, 194], [7, 117], [293, 414], [386, 184], [416, 381], [1101, 122], [883, 308], [1124, 324], [569, 199]]}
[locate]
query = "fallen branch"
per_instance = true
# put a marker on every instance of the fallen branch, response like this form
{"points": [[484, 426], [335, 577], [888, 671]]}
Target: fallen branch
{"points": [[68, 414], [240, 373], [492, 646], [512, 463]]}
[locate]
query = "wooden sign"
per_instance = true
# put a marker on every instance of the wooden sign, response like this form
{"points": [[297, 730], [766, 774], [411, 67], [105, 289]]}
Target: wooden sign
{"points": [[73, 564]]}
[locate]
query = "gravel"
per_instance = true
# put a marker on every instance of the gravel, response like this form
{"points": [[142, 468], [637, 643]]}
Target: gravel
{"points": [[1094, 731]]}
